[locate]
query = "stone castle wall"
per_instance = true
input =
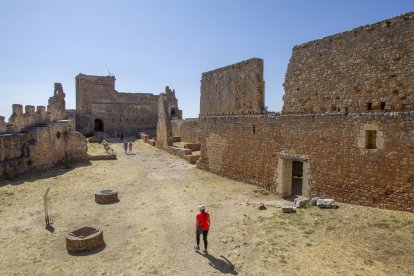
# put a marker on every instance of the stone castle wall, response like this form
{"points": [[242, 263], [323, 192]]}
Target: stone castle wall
{"points": [[40, 148], [188, 130], [39, 140], [370, 67], [19, 121], [249, 149], [347, 120], [234, 89], [117, 112]]}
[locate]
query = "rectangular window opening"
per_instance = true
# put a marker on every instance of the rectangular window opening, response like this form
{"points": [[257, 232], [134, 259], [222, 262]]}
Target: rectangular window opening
{"points": [[254, 129], [382, 105], [371, 139], [369, 106]]}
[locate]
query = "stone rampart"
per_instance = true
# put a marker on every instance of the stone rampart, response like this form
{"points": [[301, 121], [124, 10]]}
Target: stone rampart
{"points": [[20, 121], [367, 68], [37, 140], [334, 147], [42, 147], [234, 89]]}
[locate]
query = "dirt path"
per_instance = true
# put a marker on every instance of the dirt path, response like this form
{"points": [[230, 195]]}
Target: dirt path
{"points": [[151, 230]]}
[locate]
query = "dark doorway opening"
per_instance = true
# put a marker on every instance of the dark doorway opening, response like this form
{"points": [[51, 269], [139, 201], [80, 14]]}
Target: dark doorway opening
{"points": [[99, 125], [172, 111], [297, 177]]}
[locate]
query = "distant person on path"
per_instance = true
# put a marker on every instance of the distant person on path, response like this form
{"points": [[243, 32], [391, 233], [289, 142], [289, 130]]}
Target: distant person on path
{"points": [[125, 146], [122, 136], [202, 227], [130, 147]]}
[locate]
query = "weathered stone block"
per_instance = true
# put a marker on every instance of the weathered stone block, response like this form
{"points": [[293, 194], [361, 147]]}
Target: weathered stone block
{"points": [[192, 146], [192, 159], [288, 209], [326, 203]]}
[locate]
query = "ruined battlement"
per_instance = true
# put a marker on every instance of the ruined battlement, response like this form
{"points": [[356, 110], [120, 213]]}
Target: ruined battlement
{"points": [[20, 121], [234, 89], [370, 68]]}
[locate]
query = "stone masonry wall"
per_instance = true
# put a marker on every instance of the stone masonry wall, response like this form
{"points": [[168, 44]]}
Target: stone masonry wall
{"points": [[33, 141], [118, 112], [40, 148], [164, 128], [188, 130], [370, 67], [234, 89], [248, 148], [20, 121]]}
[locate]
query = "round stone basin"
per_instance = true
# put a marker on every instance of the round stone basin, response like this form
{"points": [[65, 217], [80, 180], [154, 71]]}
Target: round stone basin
{"points": [[84, 239], [106, 196]]}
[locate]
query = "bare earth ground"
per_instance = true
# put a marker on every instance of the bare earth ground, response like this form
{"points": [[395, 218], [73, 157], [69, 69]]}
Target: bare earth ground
{"points": [[151, 230]]}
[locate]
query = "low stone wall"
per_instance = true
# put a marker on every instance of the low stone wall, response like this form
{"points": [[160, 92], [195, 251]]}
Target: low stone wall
{"points": [[102, 157], [40, 148], [192, 159], [249, 148], [192, 146], [188, 130], [145, 137], [178, 151]]}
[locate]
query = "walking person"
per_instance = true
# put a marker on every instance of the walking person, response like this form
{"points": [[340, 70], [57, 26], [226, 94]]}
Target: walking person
{"points": [[125, 146], [122, 137], [202, 227], [130, 147]]}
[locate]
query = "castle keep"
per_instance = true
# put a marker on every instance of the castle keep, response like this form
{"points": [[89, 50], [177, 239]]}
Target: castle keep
{"points": [[99, 107], [346, 130]]}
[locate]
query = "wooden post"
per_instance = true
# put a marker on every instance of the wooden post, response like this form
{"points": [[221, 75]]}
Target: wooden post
{"points": [[46, 208]]}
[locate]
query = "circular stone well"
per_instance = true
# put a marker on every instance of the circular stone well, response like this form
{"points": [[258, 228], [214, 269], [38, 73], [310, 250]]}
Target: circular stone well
{"points": [[106, 196], [84, 239]]}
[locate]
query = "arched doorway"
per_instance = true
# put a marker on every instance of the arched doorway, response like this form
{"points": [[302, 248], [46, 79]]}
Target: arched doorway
{"points": [[99, 125], [172, 111]]}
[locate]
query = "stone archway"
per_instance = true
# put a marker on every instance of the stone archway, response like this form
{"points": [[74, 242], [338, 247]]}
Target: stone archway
{"points": [[99, 126]]}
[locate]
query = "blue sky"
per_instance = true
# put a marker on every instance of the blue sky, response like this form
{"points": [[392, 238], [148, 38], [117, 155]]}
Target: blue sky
{"points": [[150, 44]]}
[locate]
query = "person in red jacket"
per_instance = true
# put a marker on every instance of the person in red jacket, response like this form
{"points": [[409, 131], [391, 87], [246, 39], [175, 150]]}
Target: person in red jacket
{"points": [[202, 227]]}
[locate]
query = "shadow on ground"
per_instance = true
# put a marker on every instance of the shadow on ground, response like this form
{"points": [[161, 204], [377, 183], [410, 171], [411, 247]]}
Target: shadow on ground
{"points": [[223, 265], [52, 172]]}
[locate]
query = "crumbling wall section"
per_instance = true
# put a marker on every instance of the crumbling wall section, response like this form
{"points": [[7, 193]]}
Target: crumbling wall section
{"points": [[164, 129], [367, 68], [57, 106], [234, 89], [37, 140], [20, 121]]}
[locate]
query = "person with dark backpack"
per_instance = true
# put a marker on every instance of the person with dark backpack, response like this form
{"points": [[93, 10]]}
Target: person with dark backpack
{"points": [[202, 227], [125, 146]]}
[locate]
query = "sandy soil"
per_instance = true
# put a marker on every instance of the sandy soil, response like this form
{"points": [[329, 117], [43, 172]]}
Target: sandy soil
{"points": [[151, 230]]}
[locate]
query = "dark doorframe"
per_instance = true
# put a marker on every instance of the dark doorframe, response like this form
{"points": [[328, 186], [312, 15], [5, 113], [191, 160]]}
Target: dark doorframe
{"points": [[99, 125], [297, 177]]}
